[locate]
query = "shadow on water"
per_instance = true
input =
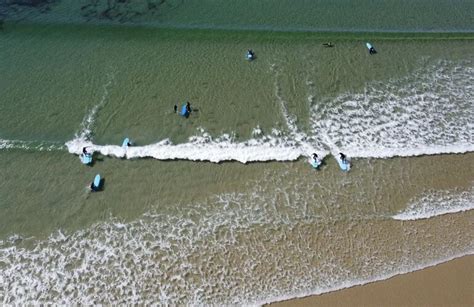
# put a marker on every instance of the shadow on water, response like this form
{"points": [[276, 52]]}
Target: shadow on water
{"points": [[112, 10], [123, 10]]}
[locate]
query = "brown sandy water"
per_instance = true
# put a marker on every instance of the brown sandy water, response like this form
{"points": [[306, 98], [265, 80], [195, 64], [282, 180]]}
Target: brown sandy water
{"points": [[276, 230]]}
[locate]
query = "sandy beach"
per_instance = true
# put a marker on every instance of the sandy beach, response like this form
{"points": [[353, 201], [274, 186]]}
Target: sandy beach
{"points": [[446, 284]]}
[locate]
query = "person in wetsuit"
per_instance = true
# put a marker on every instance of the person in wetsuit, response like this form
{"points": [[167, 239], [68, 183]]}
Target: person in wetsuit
{"points": [[343, 157]]}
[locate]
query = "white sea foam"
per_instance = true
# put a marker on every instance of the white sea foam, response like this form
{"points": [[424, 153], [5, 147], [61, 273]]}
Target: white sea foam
{"points": [[31, 145], [431, 111], [197, 256], [231, 249], [88, 121], [266, 148], [437, 203]]}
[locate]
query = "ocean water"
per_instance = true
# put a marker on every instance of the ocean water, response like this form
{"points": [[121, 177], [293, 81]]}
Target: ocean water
{"points": [[223, 207]]}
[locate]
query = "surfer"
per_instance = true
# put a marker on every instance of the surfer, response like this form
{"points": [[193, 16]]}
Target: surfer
{"points": [[315, 157], [329, 45], [343, 157], [250, 54], [372, 50], [84, 150], [188, 107], [175, 108]]}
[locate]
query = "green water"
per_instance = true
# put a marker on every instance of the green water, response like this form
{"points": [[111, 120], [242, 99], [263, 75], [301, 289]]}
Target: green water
{"points": [[321, 15], [54, 76]]}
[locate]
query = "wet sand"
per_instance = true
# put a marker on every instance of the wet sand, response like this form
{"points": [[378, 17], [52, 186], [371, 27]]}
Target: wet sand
{"points": [[446, 284]]}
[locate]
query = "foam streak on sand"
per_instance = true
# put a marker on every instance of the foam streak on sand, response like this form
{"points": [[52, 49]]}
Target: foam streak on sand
{"points": [[437, 203]]}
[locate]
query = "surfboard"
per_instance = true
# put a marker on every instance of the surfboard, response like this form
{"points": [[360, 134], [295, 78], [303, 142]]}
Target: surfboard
{"points": [[125, 143], [86, 158], [96, 184], [345, 166], [315, 163], [368, 45], [184, 111]]}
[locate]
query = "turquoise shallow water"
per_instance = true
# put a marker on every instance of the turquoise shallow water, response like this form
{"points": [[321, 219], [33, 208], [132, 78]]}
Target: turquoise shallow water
{"points": [[171, 227]]}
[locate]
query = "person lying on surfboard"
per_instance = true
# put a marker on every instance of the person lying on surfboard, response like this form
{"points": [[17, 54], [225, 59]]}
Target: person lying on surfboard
{"points": [[343, 157]]}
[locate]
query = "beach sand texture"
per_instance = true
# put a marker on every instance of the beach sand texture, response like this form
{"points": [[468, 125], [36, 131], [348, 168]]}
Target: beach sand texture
{"points": [[447, 284]]}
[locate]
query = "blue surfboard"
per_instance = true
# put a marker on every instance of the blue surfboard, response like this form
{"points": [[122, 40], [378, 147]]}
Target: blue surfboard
{"points": [[95, 186], [86, 158], [125, 143], [97, 180], [184, 111], [345, 166], [315, 163]]}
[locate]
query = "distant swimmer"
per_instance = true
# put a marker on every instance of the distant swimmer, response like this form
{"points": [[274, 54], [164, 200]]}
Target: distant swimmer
{"points": [[250, 55], [329, 44], [371, 48]]}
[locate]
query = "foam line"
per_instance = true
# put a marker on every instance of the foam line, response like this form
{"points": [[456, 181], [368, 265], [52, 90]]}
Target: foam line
{"points": [[31, 145], [360, 282], [437, 203], [205, 149], [89, 119]]}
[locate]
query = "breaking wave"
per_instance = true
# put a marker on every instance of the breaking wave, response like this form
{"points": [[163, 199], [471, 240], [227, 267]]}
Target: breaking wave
{"points": [[428, 112]]}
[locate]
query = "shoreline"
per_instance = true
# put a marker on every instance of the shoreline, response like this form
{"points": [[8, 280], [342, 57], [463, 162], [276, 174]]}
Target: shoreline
{"points": [[446, 283]]}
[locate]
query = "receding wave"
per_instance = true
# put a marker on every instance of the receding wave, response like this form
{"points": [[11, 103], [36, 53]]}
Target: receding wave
{"points": [[431, 111], [437, 203], [233, 248]]}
